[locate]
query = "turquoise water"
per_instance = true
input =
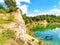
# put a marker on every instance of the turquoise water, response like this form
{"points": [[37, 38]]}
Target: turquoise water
{"points": [[53, 36]]}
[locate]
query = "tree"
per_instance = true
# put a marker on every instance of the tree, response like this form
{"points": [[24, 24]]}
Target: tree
{"points": [[2, 9], [1, 6], [10, 3]]}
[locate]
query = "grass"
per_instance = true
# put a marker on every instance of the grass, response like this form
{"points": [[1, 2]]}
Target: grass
{"points": [[8, 20], [2, 21], [7, 34]]}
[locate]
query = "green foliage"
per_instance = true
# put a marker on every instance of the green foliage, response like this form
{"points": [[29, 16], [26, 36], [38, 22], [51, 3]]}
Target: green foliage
{"points": [[10, 3], [48, 18], [1, 6], [27, 19], [48, 27], [2, 9], [7, 34], [38, 28], [11, 6], [2, 21], [9, 20], [51, 26]]}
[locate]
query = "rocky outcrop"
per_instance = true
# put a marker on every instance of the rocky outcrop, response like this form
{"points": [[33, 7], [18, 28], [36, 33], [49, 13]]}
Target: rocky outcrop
{"points": [[21, 24], [18, 26]]}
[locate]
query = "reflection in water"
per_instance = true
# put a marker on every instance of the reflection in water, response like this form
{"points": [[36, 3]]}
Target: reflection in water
{"points": [[55, 33], [48, 37]]}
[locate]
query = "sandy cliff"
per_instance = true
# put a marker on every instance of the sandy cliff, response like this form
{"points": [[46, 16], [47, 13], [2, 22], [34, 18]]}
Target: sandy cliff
{"points": [[17, 26]]}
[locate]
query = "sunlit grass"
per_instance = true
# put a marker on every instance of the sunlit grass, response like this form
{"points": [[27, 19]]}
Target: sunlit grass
{"points": [[8, 20], [7, 34]]}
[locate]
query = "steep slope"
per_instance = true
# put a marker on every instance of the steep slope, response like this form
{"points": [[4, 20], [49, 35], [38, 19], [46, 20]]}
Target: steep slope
{"points": [[12, 27], [9, 28]]}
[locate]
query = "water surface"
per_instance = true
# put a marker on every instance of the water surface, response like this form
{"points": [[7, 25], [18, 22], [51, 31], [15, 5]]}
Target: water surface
{"points": [[49, 36]]}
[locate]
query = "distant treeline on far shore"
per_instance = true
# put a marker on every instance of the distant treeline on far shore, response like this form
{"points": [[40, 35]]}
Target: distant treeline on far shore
{"points": [[48, 18]]}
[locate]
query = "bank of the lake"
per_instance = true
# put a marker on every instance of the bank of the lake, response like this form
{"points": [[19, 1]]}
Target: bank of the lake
{"points": [[50, 37], [38, 26], [50, 30]]}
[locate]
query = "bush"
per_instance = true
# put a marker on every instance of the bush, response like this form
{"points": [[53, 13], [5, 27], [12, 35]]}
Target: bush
{"points": [[11, 9]]}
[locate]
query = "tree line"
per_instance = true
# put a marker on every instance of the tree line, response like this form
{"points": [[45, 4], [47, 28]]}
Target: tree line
{"points": [[48, 18]]}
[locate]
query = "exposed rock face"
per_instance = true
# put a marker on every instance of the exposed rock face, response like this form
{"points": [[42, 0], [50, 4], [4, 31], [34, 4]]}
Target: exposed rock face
{"points": [[20, 23], [21, 33], [18, 26]]}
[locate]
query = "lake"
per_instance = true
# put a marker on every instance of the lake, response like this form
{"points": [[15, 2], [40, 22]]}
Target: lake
{"points": [[51, 36]]}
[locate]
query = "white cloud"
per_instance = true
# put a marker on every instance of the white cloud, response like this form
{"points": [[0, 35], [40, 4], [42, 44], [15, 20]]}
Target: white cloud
{"points": [[24, 8], [18, 1], [1, 0], [28, 1], [36, 11], [52, 11], [31, 15], [58, 2], [55, 10]]}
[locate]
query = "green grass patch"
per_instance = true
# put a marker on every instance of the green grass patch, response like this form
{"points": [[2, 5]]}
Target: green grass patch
{"points": [[9, 20], [7, 34]]}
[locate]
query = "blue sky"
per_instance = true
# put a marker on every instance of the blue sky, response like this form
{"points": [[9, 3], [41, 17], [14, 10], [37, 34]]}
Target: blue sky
{"points": [[36, 7]]}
